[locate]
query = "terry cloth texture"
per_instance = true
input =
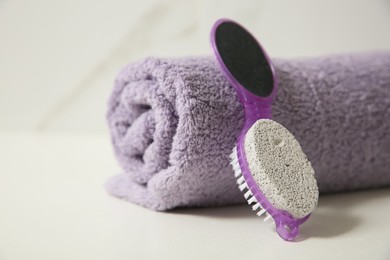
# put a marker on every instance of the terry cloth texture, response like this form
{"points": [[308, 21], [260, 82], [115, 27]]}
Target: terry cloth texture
{"points": [[174, 122]]}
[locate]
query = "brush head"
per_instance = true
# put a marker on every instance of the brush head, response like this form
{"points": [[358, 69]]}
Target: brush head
{"points": [[280, 168], [276, 176]]}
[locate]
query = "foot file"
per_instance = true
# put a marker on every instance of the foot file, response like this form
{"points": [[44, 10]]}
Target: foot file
{"points": [[270, 166]]}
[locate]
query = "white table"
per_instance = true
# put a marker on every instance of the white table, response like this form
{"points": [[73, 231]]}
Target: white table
{"points": [[53, 206]]}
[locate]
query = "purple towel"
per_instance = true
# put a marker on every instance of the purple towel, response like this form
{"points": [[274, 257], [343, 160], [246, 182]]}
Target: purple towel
{"points": [[174, 123]]}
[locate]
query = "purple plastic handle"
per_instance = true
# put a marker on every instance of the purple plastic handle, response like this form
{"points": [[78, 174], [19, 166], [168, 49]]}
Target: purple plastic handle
{"points": [[256, 108]]}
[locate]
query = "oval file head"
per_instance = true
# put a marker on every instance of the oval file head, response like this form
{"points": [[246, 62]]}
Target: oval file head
{"points": [[242, 59]]}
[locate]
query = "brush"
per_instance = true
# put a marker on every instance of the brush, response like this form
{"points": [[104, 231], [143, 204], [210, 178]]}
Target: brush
{"points": [[269, 165]]}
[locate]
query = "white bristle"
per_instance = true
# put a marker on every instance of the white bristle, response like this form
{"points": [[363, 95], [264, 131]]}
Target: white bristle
{"points": [[261, 212], [252, 200], [243, 186], [240, 180], [236, 167], [234, 159], [247, 194], [235, 164], [256, 206], [237, 173], [268, 217]]}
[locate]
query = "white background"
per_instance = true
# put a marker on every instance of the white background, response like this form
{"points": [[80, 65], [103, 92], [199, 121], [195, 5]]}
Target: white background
{"points": [[58, 60]]}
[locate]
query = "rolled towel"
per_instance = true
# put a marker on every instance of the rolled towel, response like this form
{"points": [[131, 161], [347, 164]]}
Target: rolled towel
{"points": [[174, 122]]}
